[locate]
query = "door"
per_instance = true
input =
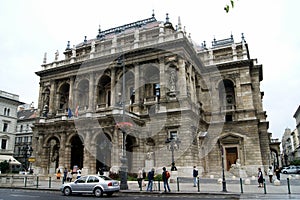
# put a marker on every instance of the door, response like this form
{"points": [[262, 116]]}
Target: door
{"points": [[231, 156]]}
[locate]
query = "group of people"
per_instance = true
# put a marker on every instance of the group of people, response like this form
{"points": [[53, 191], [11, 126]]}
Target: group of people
{"points": [[270, 173], [165, 178], [68, 175]]}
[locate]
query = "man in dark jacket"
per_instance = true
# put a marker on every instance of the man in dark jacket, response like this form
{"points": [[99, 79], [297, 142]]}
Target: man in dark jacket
{"points": [[195, 175], [165, 180], [150, 179]]}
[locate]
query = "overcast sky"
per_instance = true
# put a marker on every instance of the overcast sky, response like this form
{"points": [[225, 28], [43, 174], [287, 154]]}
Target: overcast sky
{"points": [[271, 28]]}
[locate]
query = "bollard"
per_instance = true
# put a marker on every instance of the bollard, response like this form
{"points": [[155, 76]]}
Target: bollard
{"points": [[241, 183], [158, 185], [25, 181], [289, 188], [265, 189], [198, 184], [37, 182], [49, 181], [177, 184]]}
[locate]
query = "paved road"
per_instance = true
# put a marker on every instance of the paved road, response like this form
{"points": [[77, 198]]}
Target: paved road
{"points": [[209, 188]]}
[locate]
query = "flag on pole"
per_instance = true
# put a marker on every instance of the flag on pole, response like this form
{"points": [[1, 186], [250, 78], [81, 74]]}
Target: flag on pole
{"points": [[76, 111], [70, 113]]}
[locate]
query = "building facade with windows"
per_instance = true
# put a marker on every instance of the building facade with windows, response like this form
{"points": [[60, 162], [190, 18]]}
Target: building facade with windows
{"points": [[23, 138], [147, 91], [8, 121]]}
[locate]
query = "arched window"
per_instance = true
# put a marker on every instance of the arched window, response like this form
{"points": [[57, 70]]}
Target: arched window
{"points": [[5, 111], [227, 94], [8, 110]]}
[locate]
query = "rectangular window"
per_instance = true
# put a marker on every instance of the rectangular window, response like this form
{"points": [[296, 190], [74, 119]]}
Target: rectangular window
{"points": [[5, 127], [26, 139], [173, 134], [3, 143], [228, 118]]}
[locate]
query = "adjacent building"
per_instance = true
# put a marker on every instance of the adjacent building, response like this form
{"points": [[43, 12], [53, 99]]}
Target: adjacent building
{"points": [[23, 136], [8, 121], [146, 95]]}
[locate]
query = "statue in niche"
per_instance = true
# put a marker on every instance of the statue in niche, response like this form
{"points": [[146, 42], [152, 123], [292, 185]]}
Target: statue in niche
{"points": [[172, 80], [149, 155]]}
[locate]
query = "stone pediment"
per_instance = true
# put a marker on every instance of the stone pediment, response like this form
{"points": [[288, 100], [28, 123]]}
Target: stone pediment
{"points": [[231, 139]]}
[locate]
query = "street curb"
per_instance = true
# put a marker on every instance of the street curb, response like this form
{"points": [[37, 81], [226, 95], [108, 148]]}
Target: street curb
{"points": [[222, 195]]}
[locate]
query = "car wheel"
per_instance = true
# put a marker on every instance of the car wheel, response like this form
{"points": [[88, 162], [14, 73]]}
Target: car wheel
{"points": [[285, 172], [67, 191], [98, 192]]}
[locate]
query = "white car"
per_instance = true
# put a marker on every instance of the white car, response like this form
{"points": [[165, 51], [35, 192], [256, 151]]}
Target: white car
{"points": [[291, 170], [91, 184]]}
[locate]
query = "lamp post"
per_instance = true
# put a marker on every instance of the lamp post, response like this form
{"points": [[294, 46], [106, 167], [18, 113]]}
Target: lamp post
{"points": [[173, 145], [123, 168], [223, 170], [27, 151]]}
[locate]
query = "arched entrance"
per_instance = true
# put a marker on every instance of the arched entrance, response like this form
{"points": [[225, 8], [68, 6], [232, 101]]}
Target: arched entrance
{"points": [[103, 152], [130, 144], [76, 152], [53, 153]]}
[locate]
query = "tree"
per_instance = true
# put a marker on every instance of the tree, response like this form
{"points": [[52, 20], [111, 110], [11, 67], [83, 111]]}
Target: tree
{"points": [[4, 166], [227, 6]]}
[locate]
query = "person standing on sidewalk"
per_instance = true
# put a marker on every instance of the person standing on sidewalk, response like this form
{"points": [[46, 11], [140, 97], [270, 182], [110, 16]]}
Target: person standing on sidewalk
{"points": [[140, 178], [165, 178], [270, 174], [277, 172], [260, 178], [195, 175], [150, 179], [65, 175]]}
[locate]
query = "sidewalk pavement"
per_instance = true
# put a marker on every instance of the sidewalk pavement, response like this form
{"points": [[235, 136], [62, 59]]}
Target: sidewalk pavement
{"points": [[208, 187]]}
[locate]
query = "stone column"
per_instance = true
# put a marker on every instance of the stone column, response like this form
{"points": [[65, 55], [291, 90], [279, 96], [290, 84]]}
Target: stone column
{"points": [[91, 92], [62, 145], [162, 79], [41, 98], [136, 82], [181, 82], [112, 88], [71, 102], [86, 154], [52, 98]]}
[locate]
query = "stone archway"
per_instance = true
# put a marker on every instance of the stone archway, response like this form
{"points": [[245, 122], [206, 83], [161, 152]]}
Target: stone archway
{"points": [[53, 146], [77, 149], [130, 144], [103, 152]]}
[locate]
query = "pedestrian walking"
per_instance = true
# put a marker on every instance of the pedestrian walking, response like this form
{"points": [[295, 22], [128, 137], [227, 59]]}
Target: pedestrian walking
{"points": [[165, 178], [65, 175], [58, 174], [150, 179], [260, 178], [270, 174], [277, 173], [78, 173], [69, 176], [140, 178], [195, 175]]}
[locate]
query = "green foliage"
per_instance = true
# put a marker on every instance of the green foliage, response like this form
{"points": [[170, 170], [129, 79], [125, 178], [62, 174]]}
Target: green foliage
{"points": [[158, 177], [295, 162], [227, 6], [4, 166]]}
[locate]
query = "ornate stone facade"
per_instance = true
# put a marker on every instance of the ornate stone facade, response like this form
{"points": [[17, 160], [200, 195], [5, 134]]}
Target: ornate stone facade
{"points": [[208, 100]]}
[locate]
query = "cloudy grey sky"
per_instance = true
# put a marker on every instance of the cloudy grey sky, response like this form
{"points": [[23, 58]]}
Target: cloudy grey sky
{"points": [[32, 27]]}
